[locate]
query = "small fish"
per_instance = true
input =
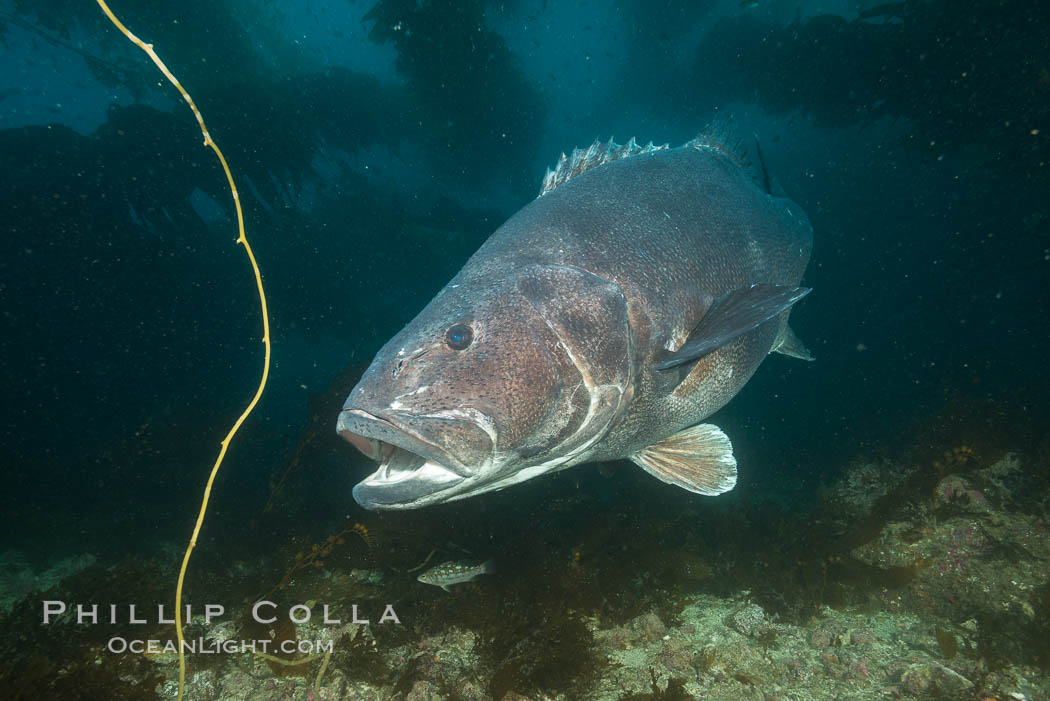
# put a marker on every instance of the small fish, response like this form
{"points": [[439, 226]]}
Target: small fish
{"points": [[455, 573]]}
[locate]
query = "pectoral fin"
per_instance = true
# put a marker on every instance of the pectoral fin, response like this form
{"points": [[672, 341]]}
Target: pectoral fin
{"points": [[731, 316], [699, 459], [788, 344]]}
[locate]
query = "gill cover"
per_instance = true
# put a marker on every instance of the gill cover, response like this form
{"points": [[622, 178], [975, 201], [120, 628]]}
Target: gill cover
{"points": [[587, 319]]}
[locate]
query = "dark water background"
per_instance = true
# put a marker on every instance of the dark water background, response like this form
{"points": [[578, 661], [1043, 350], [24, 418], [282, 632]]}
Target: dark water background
{"points": [[377, 145]]}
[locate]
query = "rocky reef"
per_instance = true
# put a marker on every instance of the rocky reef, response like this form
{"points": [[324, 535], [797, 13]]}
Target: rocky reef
{"points": [[919, 573]]}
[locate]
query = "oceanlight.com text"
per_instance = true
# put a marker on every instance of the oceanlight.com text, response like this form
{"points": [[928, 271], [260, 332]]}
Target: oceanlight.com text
{"points": [[207, 646]]}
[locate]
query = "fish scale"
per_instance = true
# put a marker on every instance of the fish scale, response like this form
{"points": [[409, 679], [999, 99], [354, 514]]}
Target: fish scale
{"points": [[449, 573], [632, 299]]}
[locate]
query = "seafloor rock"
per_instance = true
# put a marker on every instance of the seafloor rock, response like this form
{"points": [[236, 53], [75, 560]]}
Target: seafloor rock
{"points": [[956, 493], [972, 554], [20, 577], [924, 679], [424, 691], [646, 628], [826, 634], [843, 655], [862, 485], [965, 623], [748, 619]]}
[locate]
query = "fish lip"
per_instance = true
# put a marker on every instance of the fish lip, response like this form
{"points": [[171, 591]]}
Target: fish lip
{"points": [[376, 493], [398, 447], [387, 429]]}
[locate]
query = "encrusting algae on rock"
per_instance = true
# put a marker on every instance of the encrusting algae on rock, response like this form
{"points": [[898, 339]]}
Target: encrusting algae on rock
{"points": [[880, 592]]}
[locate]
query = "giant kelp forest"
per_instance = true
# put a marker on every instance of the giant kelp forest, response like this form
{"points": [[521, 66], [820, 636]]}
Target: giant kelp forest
{"points": [[904, 472]]}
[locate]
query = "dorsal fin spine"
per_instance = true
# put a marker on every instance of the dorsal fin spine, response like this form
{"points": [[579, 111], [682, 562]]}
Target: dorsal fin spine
{"points": [[717, 136], [596, 154]]}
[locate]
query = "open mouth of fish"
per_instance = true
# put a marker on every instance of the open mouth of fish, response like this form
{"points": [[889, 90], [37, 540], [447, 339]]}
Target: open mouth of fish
{"points": [[414, 469]]}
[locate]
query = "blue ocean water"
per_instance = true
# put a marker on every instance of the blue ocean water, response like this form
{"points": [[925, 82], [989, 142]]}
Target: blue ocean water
{"points": [[376, 145]]}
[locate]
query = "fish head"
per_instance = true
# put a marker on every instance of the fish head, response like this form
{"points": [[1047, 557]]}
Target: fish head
{"points": [[497, 380]]}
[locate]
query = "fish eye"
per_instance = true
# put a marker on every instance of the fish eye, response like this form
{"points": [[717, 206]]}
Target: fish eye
{"points": [[458, 337]]}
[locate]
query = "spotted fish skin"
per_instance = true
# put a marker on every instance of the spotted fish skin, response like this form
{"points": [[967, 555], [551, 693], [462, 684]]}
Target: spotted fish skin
{"points": [[450, 573], [607, 319]]}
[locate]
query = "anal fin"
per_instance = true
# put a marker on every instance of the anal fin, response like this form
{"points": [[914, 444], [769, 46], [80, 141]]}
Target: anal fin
{"points": [[789, 344], [698, 459]]}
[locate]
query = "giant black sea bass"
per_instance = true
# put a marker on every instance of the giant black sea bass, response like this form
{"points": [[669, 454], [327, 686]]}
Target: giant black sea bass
{"points": [[605, 320]]}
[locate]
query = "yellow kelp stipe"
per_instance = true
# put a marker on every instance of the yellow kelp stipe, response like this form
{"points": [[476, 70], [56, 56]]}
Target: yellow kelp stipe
{"points": [[241, 239]]}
